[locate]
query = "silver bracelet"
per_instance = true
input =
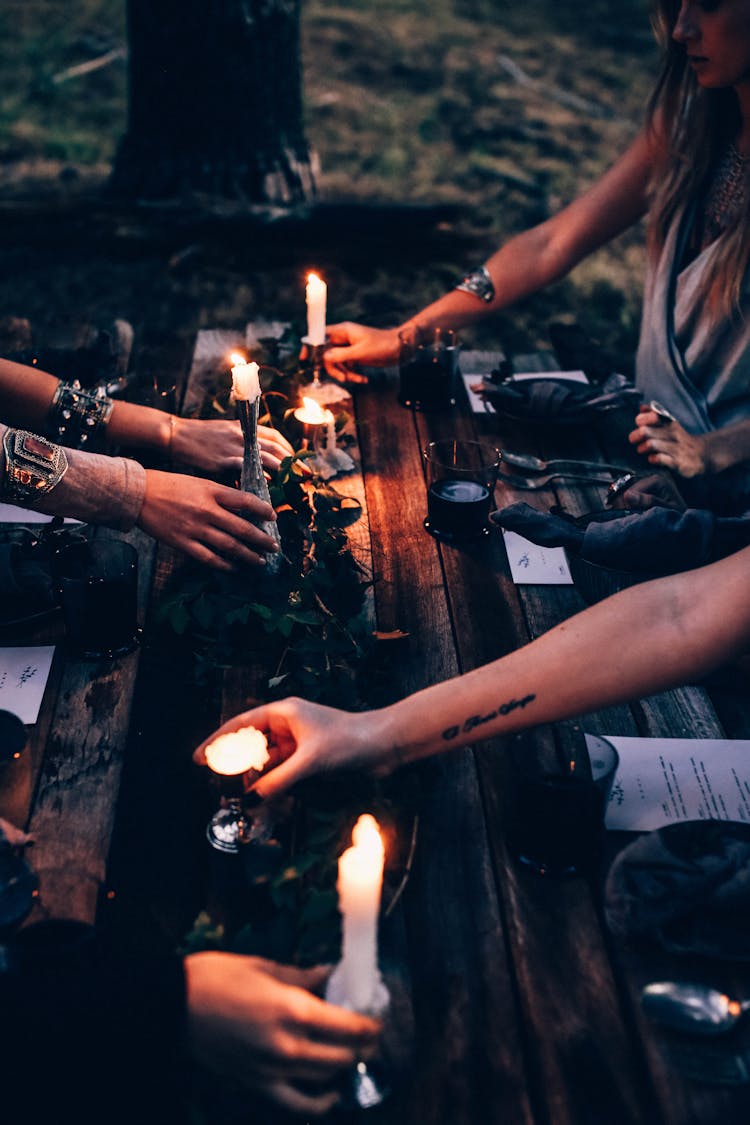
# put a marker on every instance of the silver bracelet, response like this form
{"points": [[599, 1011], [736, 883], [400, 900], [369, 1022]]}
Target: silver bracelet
{"points": [[479, 284], [33, 466], [79, 418]]}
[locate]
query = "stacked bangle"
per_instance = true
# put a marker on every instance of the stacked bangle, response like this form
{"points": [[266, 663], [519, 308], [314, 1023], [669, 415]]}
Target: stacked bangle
{"points": [[79, 418]]}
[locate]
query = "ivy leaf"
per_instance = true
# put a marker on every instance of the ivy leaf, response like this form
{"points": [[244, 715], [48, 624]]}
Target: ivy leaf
{"points": [[179, 618]]}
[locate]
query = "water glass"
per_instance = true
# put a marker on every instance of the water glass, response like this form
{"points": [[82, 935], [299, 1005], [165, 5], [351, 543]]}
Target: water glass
{"points": [[427, 367], [557, 821], [97, 583], [461, 478]]}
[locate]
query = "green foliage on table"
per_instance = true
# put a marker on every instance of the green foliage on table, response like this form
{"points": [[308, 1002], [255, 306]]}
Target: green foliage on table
{"points": [[306, 623]]}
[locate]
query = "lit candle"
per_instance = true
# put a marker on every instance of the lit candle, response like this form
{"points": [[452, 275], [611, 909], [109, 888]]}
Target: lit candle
{"points": [[356, 982], [243, 750], [316, 309], [311, 413], [245, 378]]}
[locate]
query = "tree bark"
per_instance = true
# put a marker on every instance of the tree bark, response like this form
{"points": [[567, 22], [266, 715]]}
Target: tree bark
{"points": [[215, 103]]}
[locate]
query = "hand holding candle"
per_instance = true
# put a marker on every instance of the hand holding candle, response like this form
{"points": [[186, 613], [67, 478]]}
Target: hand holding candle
{"points": [[356, 982]]}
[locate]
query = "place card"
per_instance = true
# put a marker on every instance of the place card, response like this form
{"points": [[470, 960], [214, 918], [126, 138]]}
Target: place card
{"points": [[662, 781], [23, 677], [532, 564], [11, 513]]}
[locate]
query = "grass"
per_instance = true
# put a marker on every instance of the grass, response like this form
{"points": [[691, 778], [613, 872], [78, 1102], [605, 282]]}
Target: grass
{"points": [[405, 100]]}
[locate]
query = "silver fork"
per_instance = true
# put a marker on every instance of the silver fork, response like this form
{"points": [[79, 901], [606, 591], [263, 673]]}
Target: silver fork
{"points": [[523, 483]]}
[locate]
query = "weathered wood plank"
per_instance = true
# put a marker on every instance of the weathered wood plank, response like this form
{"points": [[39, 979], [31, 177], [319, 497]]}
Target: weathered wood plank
{"points": [[75, 803], [470, 1063]]}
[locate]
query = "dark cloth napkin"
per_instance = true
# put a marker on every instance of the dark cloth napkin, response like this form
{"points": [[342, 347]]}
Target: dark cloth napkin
{"points": [[657, 541], [556, 400], [686, 887]]}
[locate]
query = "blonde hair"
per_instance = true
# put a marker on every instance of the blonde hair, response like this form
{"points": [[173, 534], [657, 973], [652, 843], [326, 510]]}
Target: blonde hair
{"points": [[690, 129]]}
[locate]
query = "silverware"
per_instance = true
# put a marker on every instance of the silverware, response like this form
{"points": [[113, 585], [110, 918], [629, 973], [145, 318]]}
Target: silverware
{"points": [[691, 1007], [524, 484], [531, 464]]}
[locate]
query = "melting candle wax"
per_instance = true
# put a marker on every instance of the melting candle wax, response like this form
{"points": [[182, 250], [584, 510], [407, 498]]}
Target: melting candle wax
{"points": [[245, 378]]}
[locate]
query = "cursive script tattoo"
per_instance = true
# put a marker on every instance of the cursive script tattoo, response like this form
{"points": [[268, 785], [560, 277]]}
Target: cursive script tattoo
{"points": [[474, 721]]}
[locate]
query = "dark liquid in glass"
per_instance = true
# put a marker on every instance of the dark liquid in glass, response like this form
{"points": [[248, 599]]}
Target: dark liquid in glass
{"points": [[426, 381], [99, 594], [558, 823], [457, 509]]}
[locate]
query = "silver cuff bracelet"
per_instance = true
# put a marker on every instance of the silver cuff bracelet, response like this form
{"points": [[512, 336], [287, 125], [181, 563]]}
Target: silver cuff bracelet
{"points": [[479, 284], [33, 467], [79, 418]]}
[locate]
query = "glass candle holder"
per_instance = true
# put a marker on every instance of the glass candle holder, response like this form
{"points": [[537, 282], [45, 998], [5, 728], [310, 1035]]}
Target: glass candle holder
{"points": [[235, 760]]}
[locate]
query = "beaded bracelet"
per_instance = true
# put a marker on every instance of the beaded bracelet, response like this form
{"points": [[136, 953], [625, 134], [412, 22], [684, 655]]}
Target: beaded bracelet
{"points": [[79, 418]]}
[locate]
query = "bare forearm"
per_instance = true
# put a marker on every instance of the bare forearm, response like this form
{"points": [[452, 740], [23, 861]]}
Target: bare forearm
{"points": [[642, 641], [548, 251], [25, 395]]}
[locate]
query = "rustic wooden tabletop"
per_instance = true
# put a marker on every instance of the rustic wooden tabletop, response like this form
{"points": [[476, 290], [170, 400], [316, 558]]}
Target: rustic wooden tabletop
{"points": [[525, 1008]]}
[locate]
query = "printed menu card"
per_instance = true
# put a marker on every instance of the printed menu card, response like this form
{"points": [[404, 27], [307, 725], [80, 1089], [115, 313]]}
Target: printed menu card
{"points": [[662, 781]]}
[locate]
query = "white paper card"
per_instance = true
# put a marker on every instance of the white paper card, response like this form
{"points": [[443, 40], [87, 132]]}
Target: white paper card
{"points": [[531, 563], [11, 513], [662, 781], [23, 677]]}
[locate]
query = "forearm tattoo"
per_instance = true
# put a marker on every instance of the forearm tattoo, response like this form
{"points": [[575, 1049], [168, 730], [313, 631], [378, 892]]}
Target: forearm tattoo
{"points": [[474, 721]]}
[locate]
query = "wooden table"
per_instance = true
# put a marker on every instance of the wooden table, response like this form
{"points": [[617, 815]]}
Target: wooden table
{"points": [[525, 1009]]}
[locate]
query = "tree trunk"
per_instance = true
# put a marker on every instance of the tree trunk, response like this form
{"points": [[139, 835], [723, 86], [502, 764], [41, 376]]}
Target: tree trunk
{"points": [[215, 103]]}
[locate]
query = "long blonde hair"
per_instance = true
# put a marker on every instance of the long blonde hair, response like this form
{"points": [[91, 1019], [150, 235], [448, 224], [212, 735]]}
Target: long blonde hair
{"points": [[691, 128]]}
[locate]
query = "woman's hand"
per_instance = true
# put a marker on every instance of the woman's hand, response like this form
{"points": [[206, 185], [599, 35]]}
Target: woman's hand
{"points": [[358, 344], [207, 521], [306, 738], [257, 1023], [669, 444], [657, 490], [217, 446]]}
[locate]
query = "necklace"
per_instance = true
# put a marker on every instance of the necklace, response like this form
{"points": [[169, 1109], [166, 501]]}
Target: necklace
{"points": [[726, 195]]}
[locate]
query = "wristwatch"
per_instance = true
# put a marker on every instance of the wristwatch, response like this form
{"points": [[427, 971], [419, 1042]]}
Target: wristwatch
{"points": [[33, 466]]}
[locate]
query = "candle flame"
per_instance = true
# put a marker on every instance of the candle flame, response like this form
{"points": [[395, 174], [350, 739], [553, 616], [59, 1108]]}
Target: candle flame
{"points": [[312, 412], [366, 836], [236, 358], [238, 752]]}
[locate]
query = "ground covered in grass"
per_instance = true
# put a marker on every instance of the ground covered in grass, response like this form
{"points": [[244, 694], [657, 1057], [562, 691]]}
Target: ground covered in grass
{"points": [[505, 110]]}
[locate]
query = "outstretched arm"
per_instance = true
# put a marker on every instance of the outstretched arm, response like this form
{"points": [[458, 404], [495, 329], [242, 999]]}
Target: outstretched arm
{"points": [[640, 641], [526, 263], [213, 446]]}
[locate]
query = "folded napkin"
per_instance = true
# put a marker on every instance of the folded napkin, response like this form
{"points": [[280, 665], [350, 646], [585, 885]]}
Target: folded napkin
{"points": [[687, 887], [657, 541], [555, 400]]}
